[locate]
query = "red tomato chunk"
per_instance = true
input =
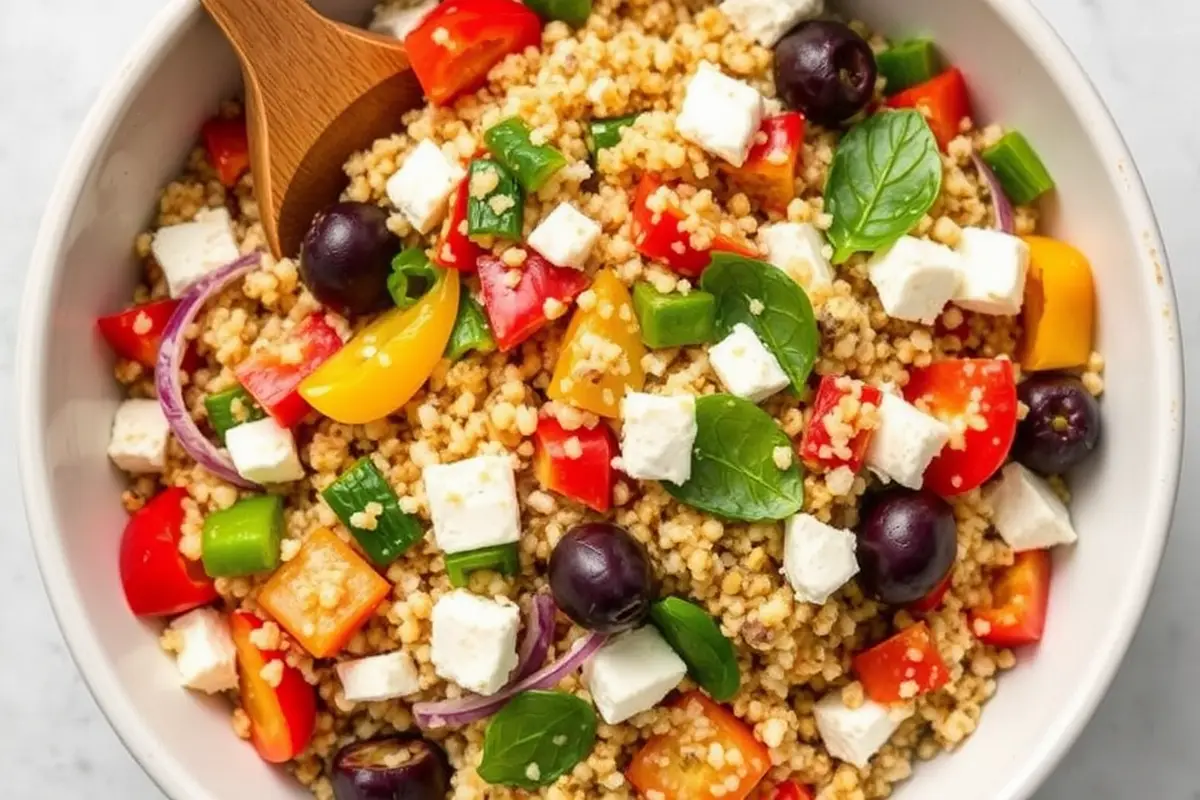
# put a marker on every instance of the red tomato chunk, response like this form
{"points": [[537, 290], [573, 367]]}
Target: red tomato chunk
{"points": [[576, 464], [902, 667], [838, 434], [516, 299], [272, 376]]}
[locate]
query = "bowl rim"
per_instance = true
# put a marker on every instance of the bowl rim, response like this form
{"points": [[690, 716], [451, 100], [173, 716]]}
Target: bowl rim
{"points": [[177, 18]]}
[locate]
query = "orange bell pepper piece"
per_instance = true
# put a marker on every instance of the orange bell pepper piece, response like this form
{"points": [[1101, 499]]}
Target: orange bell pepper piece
{"points": [[902, 667], [1060, 306]]}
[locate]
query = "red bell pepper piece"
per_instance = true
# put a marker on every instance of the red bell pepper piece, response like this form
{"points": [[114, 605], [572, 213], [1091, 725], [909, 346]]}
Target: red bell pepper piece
{"points": [[272, 376], [902, 667], [136, 333], [282, 716], [461, 40], [933, 600], [228, 147], [788, 790], [846, 444], [516, 312], [944, 102], [157, 579], [769, 174], [1020, 597], [657, 234], [455, 250], [577, 464], [977, 398]]}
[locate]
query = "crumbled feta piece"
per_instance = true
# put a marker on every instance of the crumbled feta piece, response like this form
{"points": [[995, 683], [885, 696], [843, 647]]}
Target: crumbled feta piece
{"points": [[798, 249], [856, 734], [1027, 513], [745, 366], [139, 437], [473, 503], [190, 250], [422, 186], [994, 266], [817, 559], [399, 21], [205, 654], [632, 673], [720, 114], [767, 21], [474, 640], [657, 434], [915, 278], [565, 237], [905, 441], [264, 452], [382, 677]]}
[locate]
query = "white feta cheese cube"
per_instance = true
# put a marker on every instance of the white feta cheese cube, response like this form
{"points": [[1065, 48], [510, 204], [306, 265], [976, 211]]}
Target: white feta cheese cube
{"points": [[817, 559], [565, 237], [994, 266], [139, 437], [798, 249], [915, 278], [190, 250], [856, 734], [264, 452], [632, 673], [399, 21], [422, 186], [204, 651], [1026, 511], [745, 366], [474, 640], [657, 434], [382, 677], [720, 114], [905, 441], [473, 503], [767, 21]]}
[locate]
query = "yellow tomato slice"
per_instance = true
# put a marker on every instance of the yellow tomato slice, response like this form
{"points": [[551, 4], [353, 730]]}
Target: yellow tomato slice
{"points": [[382, 367], [601, 355]]}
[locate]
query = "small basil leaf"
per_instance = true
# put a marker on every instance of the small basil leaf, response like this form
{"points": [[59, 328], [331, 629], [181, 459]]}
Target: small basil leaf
{"points": [[733, 465], [412, 276], [536, 738], [886, 174], [698, 640], [470, 331], [785, 321]]}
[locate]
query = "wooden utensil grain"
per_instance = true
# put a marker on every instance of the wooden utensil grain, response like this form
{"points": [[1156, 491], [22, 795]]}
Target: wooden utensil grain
{"points": [[316, 91]]}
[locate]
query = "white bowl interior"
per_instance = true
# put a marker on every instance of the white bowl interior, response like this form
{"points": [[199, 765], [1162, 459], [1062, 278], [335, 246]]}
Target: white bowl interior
{"points": [[1023, 79]]}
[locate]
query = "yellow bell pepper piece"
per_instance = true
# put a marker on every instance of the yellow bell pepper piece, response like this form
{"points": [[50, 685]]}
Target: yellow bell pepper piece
{"points": [[1059, 307], [601, 355], [382, 367]]}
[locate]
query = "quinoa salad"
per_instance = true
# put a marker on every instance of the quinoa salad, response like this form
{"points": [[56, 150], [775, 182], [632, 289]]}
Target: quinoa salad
{"points": [[675, 406]]}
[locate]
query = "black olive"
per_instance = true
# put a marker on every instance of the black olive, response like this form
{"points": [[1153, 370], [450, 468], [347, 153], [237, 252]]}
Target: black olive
{"points": [[1062, 427], [601, 577], [906, 545], [395, 768], [826, 70], [346, 258]]}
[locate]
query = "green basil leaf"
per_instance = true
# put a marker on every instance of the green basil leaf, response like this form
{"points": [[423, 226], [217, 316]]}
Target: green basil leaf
{"points": [[470, 331], [536, 738], [733, 464], [698, 640], [413, 274], [784, 321], [886, 174]]}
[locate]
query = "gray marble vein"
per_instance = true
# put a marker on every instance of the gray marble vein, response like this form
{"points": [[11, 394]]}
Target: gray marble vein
{"points": [[53, 58]]}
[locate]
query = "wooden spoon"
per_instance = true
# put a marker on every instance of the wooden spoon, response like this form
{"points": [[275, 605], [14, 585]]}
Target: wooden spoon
{"points": [[316, 91]]}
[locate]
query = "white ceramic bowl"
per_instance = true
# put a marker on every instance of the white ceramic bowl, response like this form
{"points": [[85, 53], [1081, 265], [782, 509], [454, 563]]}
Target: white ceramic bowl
{"points": [[1020, 74]]}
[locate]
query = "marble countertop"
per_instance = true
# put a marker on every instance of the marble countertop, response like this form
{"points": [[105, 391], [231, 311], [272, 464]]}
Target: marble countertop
{"points": [[1142, 742]]}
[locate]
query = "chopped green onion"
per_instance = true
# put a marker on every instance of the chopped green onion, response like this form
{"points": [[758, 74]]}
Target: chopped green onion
{"points": [[231, 408], [674, 320], [495, 202], [502, 558], [605, 133], [366, 504], [572, 12], [907, 64], [470, 331], [244, 538], [413, 274], [1019, 169], [532, 164]]}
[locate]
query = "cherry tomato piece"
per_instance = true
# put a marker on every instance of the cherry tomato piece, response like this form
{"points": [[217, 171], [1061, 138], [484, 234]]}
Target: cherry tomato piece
{"points": [[944, 102], [136, 333], [903, 667], [576, 464], [228, 148], [1020, 597], [157, 579]]}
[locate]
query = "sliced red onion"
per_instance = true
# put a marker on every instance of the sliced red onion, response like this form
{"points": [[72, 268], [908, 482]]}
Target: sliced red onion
{"points": [[464, 710], [539, 632], [166, 371], [1003, 219]]}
